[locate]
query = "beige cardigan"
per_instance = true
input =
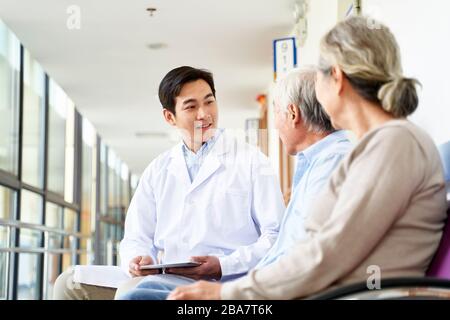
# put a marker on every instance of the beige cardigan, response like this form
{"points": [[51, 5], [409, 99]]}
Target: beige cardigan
{"points": [[385, 205]]}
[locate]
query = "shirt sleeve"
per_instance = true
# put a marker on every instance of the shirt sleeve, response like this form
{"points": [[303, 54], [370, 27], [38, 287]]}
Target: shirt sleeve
{"points": [[267, 208], [140, 223], [376, 190]]}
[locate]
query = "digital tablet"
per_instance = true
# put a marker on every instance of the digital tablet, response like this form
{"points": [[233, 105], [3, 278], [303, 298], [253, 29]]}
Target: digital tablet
{"points": [[188, 264]]}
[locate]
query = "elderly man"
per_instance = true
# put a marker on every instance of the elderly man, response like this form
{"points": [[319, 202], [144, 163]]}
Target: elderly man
{"points": [[306, 132]]}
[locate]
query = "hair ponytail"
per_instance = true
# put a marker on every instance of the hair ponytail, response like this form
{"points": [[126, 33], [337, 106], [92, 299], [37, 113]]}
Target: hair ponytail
{"points": [[370, 58], [399, 96]]}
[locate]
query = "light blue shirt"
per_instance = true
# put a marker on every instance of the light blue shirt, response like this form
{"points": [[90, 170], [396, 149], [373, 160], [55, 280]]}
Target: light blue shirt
{"points": [[314, 167], [195, 160]]}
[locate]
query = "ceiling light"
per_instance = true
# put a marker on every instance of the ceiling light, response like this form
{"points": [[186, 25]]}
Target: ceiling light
{"points": [[151, 11], [157, 45], [151, 134]]}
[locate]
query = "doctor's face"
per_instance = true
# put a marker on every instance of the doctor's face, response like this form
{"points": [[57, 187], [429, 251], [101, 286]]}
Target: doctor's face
{"points": [[195, 112]]}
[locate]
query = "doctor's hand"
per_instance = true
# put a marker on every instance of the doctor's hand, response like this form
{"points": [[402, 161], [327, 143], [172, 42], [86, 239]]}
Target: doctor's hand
{"points": [[201, 290], [137, 262], [209, 269]]}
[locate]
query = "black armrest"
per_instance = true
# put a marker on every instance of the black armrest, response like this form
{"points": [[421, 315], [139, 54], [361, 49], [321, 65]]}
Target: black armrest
{"points": [[393, 288]]}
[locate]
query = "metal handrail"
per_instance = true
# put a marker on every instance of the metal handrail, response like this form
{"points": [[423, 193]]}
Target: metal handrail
{"points": [[111, 220], [19, 224], [43, 250]]}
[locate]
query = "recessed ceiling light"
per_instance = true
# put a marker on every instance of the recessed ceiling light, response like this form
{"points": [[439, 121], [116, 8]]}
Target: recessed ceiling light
{"points": [[157, 45], [151, 11], [151, 134]]}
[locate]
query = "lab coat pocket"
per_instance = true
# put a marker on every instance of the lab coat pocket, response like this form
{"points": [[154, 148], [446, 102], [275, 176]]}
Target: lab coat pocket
{"points": [[232, 212]]}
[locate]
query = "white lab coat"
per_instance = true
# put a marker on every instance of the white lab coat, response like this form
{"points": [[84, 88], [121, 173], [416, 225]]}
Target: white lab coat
{"points": [[231, 210]]}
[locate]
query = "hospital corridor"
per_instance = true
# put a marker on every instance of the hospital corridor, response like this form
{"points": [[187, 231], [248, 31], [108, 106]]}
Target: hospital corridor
{"points": [[224, 150]]}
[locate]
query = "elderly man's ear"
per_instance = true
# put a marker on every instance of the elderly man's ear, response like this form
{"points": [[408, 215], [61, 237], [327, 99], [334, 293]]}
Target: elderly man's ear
{"points": [[293, 114]]}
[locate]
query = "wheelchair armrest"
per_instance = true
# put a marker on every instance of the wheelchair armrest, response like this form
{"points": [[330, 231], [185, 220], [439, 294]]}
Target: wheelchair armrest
{"points": [[393, 288]]}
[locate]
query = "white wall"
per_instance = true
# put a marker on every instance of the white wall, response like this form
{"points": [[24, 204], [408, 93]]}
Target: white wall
{"points": [[422, 29], [321, 16]]}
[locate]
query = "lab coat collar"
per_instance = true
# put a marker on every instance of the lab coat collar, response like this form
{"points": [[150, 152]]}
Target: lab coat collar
{"points": [[177, 165]]}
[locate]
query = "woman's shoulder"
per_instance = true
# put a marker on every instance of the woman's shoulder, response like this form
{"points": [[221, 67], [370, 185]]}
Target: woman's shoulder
{"points": [[399, 139], [398, 134]]}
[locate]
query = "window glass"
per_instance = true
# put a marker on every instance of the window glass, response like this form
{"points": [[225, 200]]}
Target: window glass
{"points": [[104, 179], [3, 275], [30, 207], [33, 122], [70, 220], [7, 203], [9, 99], [28, 276], [52, 267], [88, 178], [125, 188], [69, 243], [53, 215], [56, 137], [69, 170]]}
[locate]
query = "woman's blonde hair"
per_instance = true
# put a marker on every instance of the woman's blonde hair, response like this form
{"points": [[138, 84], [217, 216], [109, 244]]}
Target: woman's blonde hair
{"points": [[369, 55]]}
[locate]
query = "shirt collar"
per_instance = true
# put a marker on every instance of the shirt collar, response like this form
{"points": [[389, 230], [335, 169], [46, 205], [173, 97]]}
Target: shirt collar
{"points": [[313, 150], [205, 146]]}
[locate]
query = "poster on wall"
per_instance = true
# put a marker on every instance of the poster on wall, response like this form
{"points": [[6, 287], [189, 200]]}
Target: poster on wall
{"points": [[284, 56]]}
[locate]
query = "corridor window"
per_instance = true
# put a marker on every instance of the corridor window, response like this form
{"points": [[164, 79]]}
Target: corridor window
{"points": [[30, 212], [56, 138], [7, 203], [103, 179], [3, 275], [53, 216], [7, 211], [88, 178], [53, 219], [9, 99], [69, 153], [88, 183], [28, 276], [125, 189], [70, 221], [69, 242], [30, 207], [33, 122], [52, 271], [113, 184]]}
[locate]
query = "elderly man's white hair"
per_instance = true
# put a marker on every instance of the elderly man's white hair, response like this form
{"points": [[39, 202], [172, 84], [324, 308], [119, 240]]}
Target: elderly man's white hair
{"points": [[298, 88]]}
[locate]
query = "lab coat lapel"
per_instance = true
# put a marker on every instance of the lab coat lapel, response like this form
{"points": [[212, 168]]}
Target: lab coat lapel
{"points": [[177, 166], [213, 161]]}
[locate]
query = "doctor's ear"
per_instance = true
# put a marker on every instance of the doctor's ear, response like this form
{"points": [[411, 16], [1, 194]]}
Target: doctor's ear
{"points": [[169, 117]]}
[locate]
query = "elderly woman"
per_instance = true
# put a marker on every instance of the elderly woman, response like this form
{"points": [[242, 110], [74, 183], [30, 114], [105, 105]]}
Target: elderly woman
{"points": [[385, 204]]}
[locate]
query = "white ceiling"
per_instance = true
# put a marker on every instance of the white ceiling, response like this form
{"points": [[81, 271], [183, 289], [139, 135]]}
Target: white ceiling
{"points": [[110, 74]]}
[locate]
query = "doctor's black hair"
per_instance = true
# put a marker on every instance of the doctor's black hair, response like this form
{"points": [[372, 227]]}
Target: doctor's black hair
{"points": [[171, 84]]}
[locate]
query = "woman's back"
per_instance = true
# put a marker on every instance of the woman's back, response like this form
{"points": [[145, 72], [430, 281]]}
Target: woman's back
{"points": [[388, 197]]}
